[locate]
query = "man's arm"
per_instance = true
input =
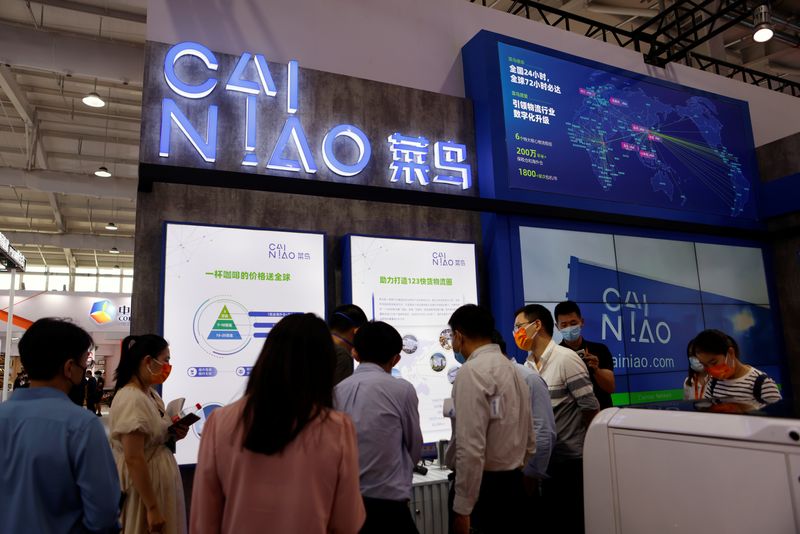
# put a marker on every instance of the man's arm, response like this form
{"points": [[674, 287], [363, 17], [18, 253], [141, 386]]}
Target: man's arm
{"points": [[545, 427], [96, 476], [472, 422], [576, 377], [601, 364], [412, 433]]}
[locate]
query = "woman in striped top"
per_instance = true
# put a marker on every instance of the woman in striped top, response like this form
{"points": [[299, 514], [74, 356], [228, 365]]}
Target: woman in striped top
{"points": [[730, 378]]}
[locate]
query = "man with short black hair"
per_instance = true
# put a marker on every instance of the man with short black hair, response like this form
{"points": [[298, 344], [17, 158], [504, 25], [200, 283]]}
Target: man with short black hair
{"points": [[58, 473], [596, 356], [385, 413], [344, 322], [492, 430], [574, 406]]}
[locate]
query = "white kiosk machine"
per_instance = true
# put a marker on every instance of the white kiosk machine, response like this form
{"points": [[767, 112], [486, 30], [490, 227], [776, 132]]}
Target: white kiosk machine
{"points": [[671, 471]]}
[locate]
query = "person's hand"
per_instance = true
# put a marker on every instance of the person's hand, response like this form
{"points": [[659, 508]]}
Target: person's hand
{"points": [[179, 431], [155, 521], [461, 524], [592, 361], [531, 486]]}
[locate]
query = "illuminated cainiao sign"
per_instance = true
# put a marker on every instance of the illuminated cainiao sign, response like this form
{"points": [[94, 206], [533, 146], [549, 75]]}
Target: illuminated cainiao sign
{"points": [[202, 104]]}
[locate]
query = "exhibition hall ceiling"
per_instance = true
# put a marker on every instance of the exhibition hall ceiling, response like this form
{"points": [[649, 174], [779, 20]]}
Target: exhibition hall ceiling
{"points": [[60, 217]]}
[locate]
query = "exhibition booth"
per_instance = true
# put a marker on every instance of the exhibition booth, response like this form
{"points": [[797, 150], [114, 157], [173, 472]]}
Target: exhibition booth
{"points": [[268, 187]]}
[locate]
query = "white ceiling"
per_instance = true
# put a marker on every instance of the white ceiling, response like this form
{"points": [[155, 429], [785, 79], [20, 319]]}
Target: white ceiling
{"points": [[76, 139]]}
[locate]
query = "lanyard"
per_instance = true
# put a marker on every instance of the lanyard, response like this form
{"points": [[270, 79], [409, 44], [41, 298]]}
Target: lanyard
{"points": [[702, 390]]}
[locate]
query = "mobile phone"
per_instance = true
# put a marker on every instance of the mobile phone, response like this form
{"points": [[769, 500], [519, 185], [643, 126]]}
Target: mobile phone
{"points": [[187, 420], [581, 353]]}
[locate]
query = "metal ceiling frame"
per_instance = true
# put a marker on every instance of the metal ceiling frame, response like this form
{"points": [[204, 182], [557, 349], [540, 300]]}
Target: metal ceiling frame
{"points": [[668, 37]]}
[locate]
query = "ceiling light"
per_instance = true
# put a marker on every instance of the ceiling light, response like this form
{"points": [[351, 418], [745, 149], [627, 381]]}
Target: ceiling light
{"points": [[111, 226], [762, 24], [114, 250], [93, 100], [102, 172]]}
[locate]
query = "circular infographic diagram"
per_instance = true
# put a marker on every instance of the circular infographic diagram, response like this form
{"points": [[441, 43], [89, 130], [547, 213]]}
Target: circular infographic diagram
{"points": [[222, 326], [438, 362], [410, 344], [446, 339], [204, 413]]}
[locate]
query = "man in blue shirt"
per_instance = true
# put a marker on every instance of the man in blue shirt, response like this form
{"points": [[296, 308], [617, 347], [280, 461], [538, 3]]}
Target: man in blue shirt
{"points": [[58, 473], [385, 412]]}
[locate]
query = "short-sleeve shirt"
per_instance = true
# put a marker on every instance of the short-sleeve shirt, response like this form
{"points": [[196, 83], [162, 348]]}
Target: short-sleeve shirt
{"points": [[606, 362], [742, 389]]}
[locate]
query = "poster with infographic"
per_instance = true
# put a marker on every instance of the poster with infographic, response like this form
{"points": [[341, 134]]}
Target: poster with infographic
{"points": [[415, 286], [577, 129], [224, 290], [645, 298]]}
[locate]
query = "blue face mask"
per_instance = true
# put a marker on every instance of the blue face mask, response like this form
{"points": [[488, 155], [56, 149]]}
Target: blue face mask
{"points": [[459, 357], [571, 333], [696, 366]]}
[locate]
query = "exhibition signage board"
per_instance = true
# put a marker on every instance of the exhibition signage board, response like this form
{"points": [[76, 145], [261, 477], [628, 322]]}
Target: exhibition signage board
{"points": [[415, 286], [266, 121], [224, 290], [559, 130], [645, 297]]}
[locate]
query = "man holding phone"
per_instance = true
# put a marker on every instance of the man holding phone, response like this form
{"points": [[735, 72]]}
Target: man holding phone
{"points": [[596, 356]]}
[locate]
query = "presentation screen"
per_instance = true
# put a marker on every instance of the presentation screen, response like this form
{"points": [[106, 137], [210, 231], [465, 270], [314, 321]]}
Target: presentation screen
{"points": [[645, 298], [415, 286], [581, 130], [224, 289]]}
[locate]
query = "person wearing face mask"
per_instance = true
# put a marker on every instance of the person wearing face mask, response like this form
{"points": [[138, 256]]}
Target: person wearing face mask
{"points": [[694, 387], [385, 413], [58, 474], [344, 322], [729, 377], [574, 406], [596, 356], [141, 437], [493, 432]]}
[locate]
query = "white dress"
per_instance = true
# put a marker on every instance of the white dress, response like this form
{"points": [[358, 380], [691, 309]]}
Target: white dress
{"points": [[136, 411]]}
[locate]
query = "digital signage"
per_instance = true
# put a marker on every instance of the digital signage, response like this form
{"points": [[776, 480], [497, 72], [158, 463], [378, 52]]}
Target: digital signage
{"points": [[224, 290], [415, 286], [645, 298]]}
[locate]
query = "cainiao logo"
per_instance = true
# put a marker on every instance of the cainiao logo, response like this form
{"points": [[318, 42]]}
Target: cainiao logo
{"points": [[222, 326], [103, 312], [279, 251], [441, 259]]}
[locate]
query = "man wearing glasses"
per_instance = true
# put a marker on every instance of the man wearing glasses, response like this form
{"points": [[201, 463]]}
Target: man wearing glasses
{"points": [[574, 406]]}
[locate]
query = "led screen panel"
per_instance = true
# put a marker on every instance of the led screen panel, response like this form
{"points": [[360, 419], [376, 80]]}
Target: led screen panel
{"points": [[415, 286], [645, 298], [224, 289], [578, 129]]}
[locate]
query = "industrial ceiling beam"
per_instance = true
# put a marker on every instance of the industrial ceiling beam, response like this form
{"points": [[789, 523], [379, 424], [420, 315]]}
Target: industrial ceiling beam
{"points": [[71, 241], [96, 10], [70, 183]]}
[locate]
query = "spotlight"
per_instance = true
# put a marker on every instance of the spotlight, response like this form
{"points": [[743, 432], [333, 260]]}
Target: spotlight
{"points": [[93, 100], [102, 172], [114, 250], [762, 24], [111, 226]]}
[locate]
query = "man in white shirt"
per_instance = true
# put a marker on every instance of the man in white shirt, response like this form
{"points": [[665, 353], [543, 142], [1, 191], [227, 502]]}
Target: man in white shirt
{"points": [[492, 430], [574, 406]]}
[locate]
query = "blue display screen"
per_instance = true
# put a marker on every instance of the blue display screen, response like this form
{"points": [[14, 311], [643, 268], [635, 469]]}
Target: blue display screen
{"points": [[580, 130]]}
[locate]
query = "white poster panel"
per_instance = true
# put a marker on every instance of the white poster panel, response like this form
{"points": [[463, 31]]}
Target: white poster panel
{"points": [[415, 286], [224, 290]]}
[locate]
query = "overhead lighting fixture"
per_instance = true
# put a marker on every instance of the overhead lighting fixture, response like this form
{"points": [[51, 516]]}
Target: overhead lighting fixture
{"points": [[102, 172], [114, 250], [111, 226], [762, 24]]}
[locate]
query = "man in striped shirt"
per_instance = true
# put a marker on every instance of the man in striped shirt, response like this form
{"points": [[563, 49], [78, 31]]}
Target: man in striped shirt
{"points": [[730, 378], [574, 406]]}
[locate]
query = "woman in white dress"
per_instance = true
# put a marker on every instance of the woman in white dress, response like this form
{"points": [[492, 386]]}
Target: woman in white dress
{"points": [[142, 440]]}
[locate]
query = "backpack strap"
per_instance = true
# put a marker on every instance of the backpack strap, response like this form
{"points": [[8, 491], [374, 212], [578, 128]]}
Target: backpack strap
{"points": [[712, 385], [757, 385]]}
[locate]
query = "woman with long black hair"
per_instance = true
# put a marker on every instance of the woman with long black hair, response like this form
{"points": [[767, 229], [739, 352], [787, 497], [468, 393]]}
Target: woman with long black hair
{"points": [[281, 459], [140, 438]]}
